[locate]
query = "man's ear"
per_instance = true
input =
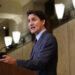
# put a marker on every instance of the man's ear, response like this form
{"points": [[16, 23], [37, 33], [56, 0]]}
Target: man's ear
{"points": [[43, 22]]}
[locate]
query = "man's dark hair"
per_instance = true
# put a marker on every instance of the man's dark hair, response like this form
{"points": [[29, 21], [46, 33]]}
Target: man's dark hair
{"points": [[38, 13]]}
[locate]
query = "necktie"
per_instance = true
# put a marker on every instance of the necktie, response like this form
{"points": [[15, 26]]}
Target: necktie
{"points": [[33, 51], [35, 41]]}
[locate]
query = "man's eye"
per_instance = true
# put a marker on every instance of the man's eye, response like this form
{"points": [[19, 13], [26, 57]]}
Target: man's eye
{"points": [[34, 19]]}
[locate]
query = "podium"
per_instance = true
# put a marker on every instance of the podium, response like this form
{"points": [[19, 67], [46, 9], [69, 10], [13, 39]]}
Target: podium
{"points": [[8, 69]]}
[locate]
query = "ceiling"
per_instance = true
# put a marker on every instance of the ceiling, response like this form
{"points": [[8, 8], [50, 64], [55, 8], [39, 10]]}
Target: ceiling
{"points": [[13, 8]]}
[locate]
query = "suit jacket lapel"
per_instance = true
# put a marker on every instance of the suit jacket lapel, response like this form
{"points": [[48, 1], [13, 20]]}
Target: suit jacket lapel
{"points": [[41, 38], [38, 43]]}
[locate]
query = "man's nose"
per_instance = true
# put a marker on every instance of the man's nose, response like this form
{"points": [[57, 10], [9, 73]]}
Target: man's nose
{"points": [[31, 23]]}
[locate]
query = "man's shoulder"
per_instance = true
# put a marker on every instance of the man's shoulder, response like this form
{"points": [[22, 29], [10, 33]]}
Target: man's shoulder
{"points": [[47, 34], [49, 37]]}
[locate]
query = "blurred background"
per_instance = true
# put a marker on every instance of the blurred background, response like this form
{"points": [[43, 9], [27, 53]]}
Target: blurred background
{"points": [[17, 41]]}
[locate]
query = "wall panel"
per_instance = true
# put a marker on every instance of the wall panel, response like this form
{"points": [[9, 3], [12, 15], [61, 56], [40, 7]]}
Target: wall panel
{"points": [[72, 46], [65, 35], [61, 35]]}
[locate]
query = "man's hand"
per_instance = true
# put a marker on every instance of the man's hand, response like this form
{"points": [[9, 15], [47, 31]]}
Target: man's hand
{"points": [[8, 60]]}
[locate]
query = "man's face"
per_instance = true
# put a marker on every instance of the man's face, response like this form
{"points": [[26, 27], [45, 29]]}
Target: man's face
{"points": [[35, 24]]}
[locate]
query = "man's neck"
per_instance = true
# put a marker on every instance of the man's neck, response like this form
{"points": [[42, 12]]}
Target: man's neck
{"points": [[39, 35], [39, 31]]}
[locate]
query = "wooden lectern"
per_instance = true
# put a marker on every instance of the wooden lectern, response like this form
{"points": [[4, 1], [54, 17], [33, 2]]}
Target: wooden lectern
{"points": [[8, 69]]}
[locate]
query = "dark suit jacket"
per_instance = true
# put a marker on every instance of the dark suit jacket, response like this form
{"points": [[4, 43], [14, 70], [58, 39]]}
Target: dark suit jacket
{"points": [[43, 57]]}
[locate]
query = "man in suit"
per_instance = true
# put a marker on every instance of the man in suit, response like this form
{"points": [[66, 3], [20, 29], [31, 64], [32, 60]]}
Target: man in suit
{"points": [[43, 58]]}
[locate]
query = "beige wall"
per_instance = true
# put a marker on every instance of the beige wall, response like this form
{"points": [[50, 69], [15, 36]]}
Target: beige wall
{"points": [[23, 25], [9, 6], [22, 52], [41, 6], [2, 44], [65, 35], [72, 46]]}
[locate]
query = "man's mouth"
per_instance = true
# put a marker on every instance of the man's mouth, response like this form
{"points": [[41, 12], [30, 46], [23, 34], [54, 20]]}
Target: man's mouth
{"points": [[32, 28]]}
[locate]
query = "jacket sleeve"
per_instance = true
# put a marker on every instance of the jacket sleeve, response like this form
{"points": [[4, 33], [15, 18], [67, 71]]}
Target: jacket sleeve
{"points": [[47, 53]]}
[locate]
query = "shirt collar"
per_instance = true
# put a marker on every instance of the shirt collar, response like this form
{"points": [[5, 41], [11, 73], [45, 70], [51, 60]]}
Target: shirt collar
{"points": [[39, 35]]}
